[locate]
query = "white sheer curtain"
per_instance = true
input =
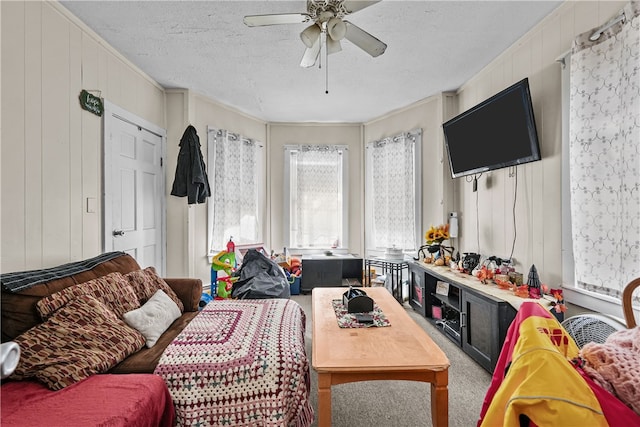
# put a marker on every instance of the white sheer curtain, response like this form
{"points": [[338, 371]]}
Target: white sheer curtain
{"points": [[233, 206], [393, 176], [316, 196], [604, 161]]}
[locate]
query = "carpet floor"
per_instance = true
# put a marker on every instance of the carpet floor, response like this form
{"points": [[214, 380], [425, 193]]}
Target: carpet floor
{"points": [[404, 403]]}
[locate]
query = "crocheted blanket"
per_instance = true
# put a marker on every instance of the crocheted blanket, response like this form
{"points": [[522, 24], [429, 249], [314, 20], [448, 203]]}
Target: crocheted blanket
{"points": [[240, 363], [615, 365]]}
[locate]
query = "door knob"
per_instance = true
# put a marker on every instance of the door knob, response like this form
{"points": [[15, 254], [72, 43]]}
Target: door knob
{"points": [[118, 232]]}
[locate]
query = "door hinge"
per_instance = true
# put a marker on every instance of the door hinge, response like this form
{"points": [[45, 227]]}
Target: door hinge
{"points": [[161, 162]]}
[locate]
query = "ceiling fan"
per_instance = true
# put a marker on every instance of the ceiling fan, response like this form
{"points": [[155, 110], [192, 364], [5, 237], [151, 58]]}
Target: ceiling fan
{"points": [[327, 29]]}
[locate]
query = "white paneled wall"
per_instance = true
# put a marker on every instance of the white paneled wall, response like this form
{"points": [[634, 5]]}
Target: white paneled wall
{"points": [[538, 204], [51, 149], [51, 153]]}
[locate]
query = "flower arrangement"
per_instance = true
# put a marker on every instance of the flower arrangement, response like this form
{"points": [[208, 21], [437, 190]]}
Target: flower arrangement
{"points": [[436, 235], [558, 305]]}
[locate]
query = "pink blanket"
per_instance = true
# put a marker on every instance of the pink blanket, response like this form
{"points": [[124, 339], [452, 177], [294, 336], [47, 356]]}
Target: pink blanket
{"points": [[615, 365], [240, 363]]}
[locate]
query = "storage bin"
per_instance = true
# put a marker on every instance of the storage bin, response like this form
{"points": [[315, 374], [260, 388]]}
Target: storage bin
{"points": [[295, 286], [436, 312]]}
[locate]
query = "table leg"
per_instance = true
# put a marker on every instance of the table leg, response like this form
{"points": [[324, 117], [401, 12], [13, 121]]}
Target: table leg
{"points": [[440, 400], [324, 399], [398, 275]]}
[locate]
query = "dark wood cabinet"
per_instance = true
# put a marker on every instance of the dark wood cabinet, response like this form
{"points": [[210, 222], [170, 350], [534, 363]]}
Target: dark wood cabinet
{"points": [[480, 338], [475, 321], [417, 291], [329, 271]]}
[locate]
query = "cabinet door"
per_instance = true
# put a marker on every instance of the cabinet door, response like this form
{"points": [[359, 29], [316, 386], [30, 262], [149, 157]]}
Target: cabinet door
{"points": [[321, 273], [417, 291], [480, 329]]}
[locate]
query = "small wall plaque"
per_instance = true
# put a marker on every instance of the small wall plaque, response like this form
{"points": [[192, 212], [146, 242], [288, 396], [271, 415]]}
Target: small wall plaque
{"points": [[91, 103]]}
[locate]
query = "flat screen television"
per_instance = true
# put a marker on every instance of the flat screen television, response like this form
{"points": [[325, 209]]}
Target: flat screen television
{"points": [[497, 133]]}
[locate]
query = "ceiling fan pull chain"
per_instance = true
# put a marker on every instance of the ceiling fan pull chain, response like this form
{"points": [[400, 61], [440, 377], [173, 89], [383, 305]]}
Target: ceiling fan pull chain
{"points": [[326, 71]]}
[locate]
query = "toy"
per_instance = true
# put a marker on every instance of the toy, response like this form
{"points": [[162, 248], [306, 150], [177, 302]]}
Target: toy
{"points": [[204, 300], [223, 261]]}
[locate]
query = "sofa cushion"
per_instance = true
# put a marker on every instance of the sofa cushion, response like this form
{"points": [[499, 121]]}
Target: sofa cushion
{"points": [[188, 290], [80, 339], [146, 360], [146, 282], [113, 290], [154, 317]]}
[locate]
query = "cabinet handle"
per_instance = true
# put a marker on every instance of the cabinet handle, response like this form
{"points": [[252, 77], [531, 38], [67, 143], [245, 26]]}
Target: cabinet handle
{"points": [[463, 317]]}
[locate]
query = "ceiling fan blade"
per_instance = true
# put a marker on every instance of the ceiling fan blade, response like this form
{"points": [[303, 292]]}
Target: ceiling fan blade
{"points": [[276, 19], [355, 5], [311, 54], [364, 40]]}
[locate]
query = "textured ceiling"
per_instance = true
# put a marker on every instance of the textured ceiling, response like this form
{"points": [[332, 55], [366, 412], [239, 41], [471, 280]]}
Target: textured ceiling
{"points": [[433, 46]]}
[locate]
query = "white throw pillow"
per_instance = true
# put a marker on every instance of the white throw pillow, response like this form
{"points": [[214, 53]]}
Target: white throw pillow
{"points": [[154, 317]]}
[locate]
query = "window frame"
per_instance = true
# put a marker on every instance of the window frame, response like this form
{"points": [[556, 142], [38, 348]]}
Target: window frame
{"points": [[371, 250], [287, 194], [581, 297], [261, 191]]}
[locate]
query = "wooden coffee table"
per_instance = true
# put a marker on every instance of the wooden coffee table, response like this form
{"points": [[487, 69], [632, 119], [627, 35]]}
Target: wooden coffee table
{"points": [[402, 351]]}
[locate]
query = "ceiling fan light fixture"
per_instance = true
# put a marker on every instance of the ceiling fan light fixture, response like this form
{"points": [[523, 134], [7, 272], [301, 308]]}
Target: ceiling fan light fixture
{"points": [[336, 28], [333, 46], [310, 35]]}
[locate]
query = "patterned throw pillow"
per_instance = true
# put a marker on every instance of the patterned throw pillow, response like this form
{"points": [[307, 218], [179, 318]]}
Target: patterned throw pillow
{"points": [[113, 290], [146, 282], [81, 339], [154, 317]]}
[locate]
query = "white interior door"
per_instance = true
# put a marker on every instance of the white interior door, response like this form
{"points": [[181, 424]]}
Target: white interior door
{"points": [[134, 189]]}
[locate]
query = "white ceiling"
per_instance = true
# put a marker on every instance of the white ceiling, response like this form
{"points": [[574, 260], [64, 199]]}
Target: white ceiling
{"points": [[433, 46]]}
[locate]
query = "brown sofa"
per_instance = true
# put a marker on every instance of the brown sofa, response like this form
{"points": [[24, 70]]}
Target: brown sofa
{"points": [[19, 311]]}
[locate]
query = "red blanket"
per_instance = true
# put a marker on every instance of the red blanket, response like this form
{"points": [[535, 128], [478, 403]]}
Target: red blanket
{"points": [[100, 400]]}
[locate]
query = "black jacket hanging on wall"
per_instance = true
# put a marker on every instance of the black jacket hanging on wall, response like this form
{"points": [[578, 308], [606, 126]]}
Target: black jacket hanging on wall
{"points": [[191, 175]]}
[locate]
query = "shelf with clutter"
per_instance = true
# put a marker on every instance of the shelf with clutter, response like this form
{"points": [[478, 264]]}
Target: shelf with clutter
{"points": [[473, 299]]}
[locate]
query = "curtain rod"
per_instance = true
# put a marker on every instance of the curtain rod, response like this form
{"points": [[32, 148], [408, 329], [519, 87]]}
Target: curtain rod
{"points": [[597, 33], [562, 58]]}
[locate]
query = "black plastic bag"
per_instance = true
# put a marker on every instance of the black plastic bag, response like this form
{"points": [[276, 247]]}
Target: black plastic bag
{"points": [[260, 278]]}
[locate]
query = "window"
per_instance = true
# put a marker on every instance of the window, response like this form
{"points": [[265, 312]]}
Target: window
{"points": [[236, 205], [601, 138], [316, 214], [393, 202]]}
